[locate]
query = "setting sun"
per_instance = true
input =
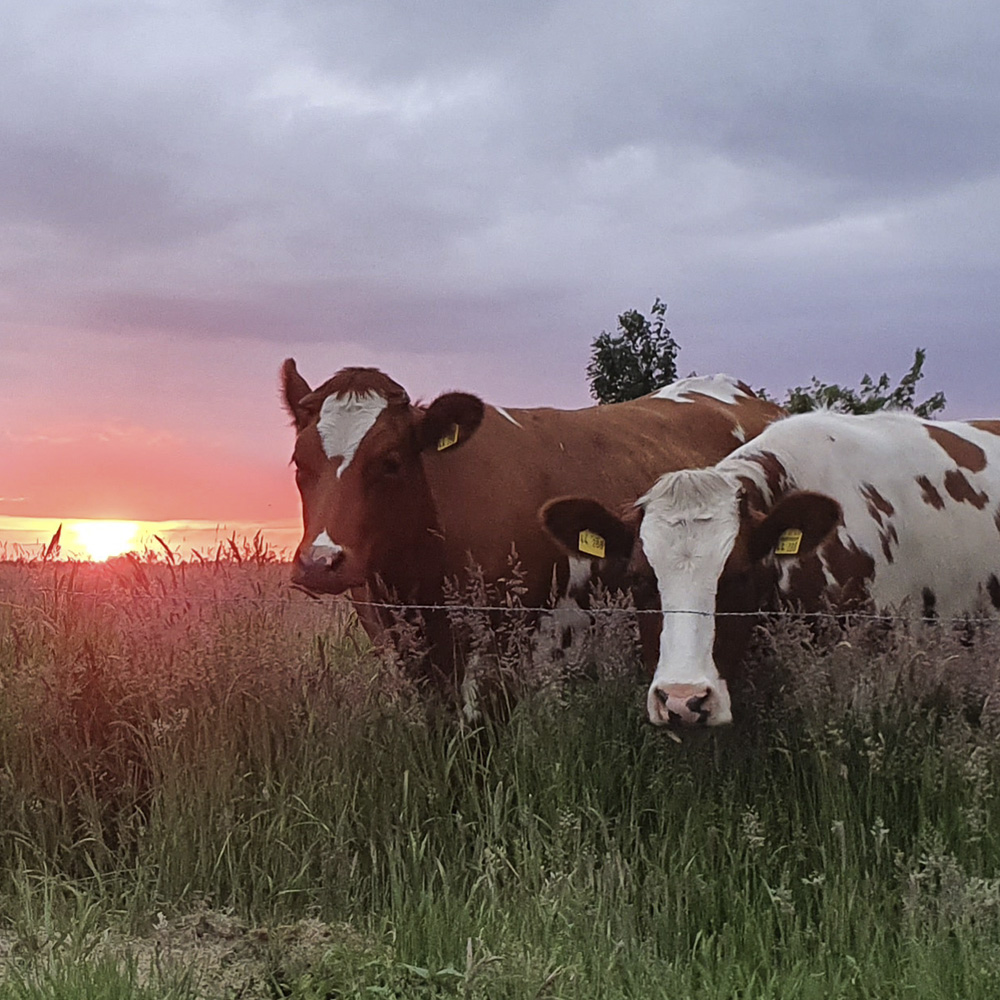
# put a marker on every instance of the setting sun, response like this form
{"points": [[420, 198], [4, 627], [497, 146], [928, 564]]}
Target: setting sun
{"points": [[102, 539]]}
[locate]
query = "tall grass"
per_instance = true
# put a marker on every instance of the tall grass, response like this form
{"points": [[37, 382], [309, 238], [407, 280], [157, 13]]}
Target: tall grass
{"points": [[196, 746]]}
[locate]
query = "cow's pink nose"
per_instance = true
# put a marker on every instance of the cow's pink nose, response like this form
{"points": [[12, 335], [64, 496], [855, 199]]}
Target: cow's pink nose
{"points": [[680, 704]]}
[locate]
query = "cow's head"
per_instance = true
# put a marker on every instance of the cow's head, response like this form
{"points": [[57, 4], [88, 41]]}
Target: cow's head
{"points": [[711, 553], [366, 508]]}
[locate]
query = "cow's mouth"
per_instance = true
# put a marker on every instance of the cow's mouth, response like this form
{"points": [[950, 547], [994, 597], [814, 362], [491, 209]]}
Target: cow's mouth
{"points": [[322, 577]]}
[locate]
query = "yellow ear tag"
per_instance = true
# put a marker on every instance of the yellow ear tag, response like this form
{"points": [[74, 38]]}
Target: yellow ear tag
{"points": [[788, 542], [449, 439], [591, 544]]}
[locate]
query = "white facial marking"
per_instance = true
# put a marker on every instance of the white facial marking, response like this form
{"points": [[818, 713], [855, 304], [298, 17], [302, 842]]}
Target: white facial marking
{"points": [[689, 526], [503, 413], [739, 433], [324, 541], [724, 388], [345, 420]]}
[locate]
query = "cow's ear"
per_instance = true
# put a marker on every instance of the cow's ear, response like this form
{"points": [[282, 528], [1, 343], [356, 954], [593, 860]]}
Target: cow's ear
{"points": [[795, 526], [449, 421], [585, 527], [295, 389]]}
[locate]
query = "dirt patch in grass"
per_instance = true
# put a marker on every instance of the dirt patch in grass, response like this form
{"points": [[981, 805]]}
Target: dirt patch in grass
{"points": [[218, 955], [208, 954]]}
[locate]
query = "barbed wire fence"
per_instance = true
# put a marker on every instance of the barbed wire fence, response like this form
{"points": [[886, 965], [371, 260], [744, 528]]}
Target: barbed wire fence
{"points": [[833, 614]]}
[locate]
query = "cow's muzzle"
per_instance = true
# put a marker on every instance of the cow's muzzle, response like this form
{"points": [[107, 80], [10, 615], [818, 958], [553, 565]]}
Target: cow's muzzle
{"points": [[682, 705], [320, 568]]}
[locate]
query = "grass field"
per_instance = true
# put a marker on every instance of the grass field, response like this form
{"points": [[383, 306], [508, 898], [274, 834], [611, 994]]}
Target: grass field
{"points": [[211, 786]]}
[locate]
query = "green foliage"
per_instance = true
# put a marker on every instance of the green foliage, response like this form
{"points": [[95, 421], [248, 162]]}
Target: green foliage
{"points": [[873, 394], [287, 820], [640, 358]]}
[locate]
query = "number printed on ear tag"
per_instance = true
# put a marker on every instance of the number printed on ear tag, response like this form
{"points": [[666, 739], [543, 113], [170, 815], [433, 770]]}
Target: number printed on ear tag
{"points": [[591, 544], [788, 542], [449, 439]]}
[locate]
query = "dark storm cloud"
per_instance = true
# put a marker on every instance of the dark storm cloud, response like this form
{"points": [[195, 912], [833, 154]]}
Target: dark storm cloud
{"points": [[434, 176], [329, 312], [81, 192], [870, 102]]}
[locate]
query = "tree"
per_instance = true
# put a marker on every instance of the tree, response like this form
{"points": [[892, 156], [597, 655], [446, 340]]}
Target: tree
{"points": [[872, 395], [641, 357]]}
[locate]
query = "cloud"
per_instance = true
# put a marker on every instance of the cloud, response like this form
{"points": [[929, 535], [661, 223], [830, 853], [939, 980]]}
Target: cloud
{"points": [[466, 194], [226, 152]]}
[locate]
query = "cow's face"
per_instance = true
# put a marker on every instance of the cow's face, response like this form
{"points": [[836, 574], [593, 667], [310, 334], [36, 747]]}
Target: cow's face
{"points": [[366, 508], [706, 547]]}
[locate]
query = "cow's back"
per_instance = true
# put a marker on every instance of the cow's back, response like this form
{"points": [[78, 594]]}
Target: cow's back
{"points": [[520, 459], [920, 498]]}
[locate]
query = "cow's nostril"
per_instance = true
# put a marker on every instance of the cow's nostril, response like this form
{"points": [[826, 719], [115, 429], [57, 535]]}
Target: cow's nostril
{"points": [[662, 695], [696, 704], [320, 561]]}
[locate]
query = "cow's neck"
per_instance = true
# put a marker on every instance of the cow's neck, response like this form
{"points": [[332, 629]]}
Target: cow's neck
{"points": [[408, 564]]}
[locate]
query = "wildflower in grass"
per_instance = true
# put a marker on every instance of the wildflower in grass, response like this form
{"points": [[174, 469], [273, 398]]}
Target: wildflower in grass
{"points": [[781, 897], [977, 774], [940, 896], [874, 744], [839, 831], [752, 829], [879, 831]]}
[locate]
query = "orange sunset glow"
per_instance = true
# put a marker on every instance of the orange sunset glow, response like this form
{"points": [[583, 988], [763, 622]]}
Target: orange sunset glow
{"points": [[99, 540], [117, 487]]}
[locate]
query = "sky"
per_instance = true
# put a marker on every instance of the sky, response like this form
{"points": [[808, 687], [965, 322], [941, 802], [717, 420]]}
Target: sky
{"points": [[464, 194]]}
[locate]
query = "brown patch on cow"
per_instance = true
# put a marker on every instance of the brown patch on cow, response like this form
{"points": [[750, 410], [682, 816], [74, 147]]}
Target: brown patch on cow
{"points": [[961, 489], [807, 583], [990, 426], [888, 537], [774, 472], [929, 493], [963, 453], [930, 603], [752, 498], [877, 504], [852, 568], [359, 381], [993, 589]]}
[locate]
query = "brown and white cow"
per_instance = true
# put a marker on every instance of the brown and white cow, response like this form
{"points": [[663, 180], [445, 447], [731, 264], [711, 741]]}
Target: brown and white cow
{"points": [[820, 508], [397, 497]]}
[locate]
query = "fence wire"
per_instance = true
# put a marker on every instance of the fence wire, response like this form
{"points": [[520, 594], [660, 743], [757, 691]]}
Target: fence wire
{"points": [[885, 617]]}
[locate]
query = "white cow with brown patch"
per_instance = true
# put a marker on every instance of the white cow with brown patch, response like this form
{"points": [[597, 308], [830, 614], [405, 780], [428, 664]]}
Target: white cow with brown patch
{"points": [[854, 511]]}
